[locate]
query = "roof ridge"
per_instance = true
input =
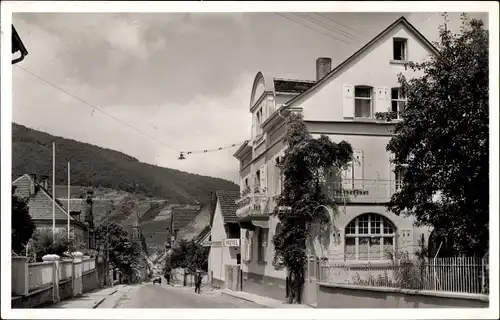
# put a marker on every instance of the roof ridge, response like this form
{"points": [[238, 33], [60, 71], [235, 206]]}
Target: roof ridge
{"points": [[401, 19], [295, 80]]}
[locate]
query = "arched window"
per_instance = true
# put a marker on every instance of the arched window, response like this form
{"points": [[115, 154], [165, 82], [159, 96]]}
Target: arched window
{"points": [[369, 237]]}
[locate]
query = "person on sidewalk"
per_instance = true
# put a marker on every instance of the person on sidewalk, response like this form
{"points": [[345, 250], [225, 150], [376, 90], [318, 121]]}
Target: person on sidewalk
{"points": [[167, 276], [197, 282]]}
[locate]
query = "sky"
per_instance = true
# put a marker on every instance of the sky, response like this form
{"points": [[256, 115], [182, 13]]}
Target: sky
{"points": [[179, 81]]}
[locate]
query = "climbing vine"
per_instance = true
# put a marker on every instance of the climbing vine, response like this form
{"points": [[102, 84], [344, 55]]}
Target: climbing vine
{"points": [[306, 164]]}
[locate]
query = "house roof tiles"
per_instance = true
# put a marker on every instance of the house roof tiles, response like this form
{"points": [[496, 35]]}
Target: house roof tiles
{"points": [[227, 201]]}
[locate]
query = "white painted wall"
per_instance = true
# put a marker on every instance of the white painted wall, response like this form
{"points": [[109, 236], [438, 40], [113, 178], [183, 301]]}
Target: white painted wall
{"points": [[219, 256], [375, 162], [373, 68]]}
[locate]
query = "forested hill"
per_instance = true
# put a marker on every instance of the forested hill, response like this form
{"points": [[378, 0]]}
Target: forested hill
{"points": [[100, 167]]}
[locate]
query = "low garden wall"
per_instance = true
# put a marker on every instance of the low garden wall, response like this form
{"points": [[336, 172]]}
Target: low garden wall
{"points": [[354, 296], [39, 284]]}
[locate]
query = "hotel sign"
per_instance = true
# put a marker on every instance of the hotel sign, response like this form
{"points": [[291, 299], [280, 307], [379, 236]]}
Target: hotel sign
{"points": [[231, 242]]}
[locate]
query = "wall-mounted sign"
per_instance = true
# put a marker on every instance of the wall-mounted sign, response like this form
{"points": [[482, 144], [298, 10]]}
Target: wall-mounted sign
{"points": [[231, 242]]}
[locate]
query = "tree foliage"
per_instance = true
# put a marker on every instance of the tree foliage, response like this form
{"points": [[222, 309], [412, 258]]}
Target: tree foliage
{"points": [[43, 242], [22, 224], [443, 140], [124, 252], [188, 255], [306, 164]]}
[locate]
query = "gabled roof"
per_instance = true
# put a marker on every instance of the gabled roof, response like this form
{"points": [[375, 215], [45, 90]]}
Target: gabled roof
{"points": [[228, 207], [340, 67], [40, 204]]}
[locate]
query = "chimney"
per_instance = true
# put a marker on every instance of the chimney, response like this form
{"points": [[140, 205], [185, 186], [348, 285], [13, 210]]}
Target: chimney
{"points": [[32, 184], [89, 219], [45, 182], [323, 67]]}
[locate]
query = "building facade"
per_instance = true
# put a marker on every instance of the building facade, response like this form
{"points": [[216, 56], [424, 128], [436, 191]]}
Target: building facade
{"points": [[225, 252], [342, 103]]}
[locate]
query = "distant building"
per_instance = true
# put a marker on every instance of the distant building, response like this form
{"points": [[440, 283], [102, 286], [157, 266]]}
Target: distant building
{"points": [[224, 229], [40, 209], [342, 103]]}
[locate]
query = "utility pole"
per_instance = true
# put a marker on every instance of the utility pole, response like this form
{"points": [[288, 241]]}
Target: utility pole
{"points": [[107, 250]]}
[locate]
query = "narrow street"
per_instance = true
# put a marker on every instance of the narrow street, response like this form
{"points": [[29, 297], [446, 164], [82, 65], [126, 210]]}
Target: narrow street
{"points": [[148, 296]]}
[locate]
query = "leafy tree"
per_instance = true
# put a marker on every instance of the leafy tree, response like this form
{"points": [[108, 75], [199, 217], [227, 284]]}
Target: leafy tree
{"points": [[124, 252], [43, 243], [22, 224], [443, 140], [306, 165], [188, 255]]}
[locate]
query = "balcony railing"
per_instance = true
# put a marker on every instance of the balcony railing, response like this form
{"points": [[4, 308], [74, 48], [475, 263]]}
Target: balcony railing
{"points": [[252, 204], [363, 190]]}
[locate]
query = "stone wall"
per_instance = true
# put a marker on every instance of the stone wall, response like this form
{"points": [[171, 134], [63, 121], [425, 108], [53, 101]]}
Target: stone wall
{"points": [[352, 296], [90, 281], [264, 286]]}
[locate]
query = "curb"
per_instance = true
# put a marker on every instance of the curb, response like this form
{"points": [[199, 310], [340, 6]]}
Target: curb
{"points": [[98, 303], [246, 299]]}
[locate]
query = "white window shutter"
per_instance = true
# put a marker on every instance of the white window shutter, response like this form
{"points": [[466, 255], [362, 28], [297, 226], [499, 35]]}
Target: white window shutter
{"points": [[348, 101], [254, 126], [272, 177], [250, 246], [263, 178], [347, 176], [382, 99], [358, 168], [392, 174]]}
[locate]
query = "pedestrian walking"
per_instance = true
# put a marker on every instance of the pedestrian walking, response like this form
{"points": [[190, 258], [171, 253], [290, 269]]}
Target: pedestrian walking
{"points": [[167, 275], [197, 282]]}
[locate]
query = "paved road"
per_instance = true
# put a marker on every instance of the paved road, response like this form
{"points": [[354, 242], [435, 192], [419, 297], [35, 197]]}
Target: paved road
{"points": [[148, 296]]}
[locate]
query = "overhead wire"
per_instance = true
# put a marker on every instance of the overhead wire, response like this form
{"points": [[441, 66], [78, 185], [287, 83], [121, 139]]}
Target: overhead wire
{"points": [[309, 27], [345, 26], [94, 108], [329, 27]]}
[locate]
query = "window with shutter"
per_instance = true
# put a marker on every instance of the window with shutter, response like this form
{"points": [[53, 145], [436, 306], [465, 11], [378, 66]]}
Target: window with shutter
{"points": [[263, 178], [348, 101]]}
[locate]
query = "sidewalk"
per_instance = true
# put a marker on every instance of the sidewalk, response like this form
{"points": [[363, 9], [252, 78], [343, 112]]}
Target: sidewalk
{"points": [[263, 301], [94, 299]]}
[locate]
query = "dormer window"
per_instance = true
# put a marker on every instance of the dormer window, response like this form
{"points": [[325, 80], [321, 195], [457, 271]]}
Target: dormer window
{"points": [[400, 49]]}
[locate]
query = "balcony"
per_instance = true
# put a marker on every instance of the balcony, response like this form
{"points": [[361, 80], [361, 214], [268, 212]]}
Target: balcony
{"points": [[252, 204], [363, 190]]}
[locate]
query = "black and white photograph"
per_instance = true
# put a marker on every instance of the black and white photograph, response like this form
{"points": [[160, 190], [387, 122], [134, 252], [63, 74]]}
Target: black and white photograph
{"points": [[221, 156]]}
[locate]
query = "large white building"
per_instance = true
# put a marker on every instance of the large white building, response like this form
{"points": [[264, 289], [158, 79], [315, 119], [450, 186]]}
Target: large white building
{"points": [[341, 104]]}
